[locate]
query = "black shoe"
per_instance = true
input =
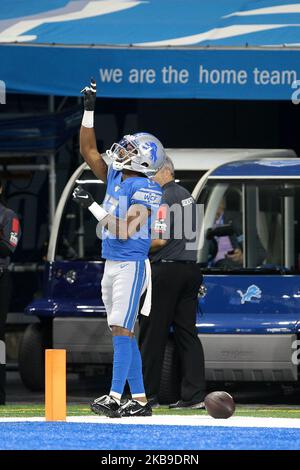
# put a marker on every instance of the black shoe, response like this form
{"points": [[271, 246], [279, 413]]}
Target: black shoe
{"points": [[192, 404], [133, 408], [107, 406], [153, 401]]}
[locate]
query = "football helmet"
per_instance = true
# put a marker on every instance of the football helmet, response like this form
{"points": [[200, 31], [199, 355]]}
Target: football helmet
{"points": [[141, 152]]}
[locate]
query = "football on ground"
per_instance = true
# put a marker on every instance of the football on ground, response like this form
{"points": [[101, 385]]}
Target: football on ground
{"points": [[219, 405]]}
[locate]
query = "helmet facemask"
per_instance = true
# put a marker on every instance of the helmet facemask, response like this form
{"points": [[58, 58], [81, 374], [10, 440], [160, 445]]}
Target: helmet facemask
{"points": [[141, 152], [127, 155]]}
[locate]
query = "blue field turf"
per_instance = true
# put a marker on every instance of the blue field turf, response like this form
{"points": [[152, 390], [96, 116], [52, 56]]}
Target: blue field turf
{"points": [[86, 436]]}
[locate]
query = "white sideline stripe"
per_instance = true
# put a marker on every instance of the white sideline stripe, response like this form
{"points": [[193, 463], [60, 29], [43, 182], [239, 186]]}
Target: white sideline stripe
{"points": [[171, 420]]}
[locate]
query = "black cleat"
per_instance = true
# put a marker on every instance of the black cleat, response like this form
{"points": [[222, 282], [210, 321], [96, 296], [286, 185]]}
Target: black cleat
{"points": [[191, 404], [153, 402], [133, 408], [107, 406]]}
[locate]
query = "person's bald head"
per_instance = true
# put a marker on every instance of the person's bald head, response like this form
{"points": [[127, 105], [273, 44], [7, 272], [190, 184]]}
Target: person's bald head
{"points": [[166, 173]]}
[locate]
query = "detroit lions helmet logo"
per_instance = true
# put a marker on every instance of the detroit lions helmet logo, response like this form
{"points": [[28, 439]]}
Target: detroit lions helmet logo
{"points": [[252, 292], [151, 149]]}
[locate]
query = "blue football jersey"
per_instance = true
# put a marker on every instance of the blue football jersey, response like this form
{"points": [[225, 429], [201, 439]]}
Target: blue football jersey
{"points": [[120, 195]]}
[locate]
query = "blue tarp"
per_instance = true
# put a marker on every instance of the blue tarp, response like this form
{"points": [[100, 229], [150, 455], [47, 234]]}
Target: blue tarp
{"points": [[230, 49]]}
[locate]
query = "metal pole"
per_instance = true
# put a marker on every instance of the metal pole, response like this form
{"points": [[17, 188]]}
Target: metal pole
{"points": [[80, 234], [289, 231], [52, 173], [244, 204], [81, 231], [25, 167], [52, 189]]}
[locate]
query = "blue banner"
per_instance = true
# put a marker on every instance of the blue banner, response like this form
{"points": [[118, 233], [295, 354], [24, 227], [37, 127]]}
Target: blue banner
{"points": [[152, 73], [228, 49]]}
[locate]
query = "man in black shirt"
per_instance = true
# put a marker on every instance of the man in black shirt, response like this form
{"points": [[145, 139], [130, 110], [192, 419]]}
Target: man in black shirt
{"points": [[176, 279], [9, 237]]}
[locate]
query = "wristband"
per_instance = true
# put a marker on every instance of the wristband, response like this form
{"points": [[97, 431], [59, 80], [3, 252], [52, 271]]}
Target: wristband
{"points": [[98, 211], [88, 119]]}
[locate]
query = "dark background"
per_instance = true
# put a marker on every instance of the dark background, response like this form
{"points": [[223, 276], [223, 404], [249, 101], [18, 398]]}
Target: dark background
{"points": [[186, 123]]}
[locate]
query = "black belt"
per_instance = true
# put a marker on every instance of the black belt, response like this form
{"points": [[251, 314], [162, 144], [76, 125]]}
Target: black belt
{"points": [[175, 261]]}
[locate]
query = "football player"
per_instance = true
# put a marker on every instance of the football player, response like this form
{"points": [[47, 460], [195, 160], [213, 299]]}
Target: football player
{"points": [[129, 206]]}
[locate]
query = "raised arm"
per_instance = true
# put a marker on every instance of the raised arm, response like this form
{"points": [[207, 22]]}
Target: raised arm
{"points": [[88, 145]]}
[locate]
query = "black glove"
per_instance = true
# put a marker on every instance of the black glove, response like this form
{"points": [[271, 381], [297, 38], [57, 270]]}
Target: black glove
{"points": [[89, 96], [82, 197]]}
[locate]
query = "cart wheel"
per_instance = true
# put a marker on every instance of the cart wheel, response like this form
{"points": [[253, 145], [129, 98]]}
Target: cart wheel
{"points": [[36, 339], [169, 391]]}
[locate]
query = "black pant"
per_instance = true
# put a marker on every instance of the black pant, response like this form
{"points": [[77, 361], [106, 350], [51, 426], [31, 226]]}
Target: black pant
{"points": [[174, 302], [5, 297]]}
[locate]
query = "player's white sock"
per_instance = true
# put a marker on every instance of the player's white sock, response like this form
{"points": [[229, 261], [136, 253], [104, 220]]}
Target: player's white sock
{"points": [[117, 399], [142, 403]]}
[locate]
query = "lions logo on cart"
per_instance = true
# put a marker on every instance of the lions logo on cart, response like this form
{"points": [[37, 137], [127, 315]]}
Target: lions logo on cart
{"points": [[252, 292]]}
